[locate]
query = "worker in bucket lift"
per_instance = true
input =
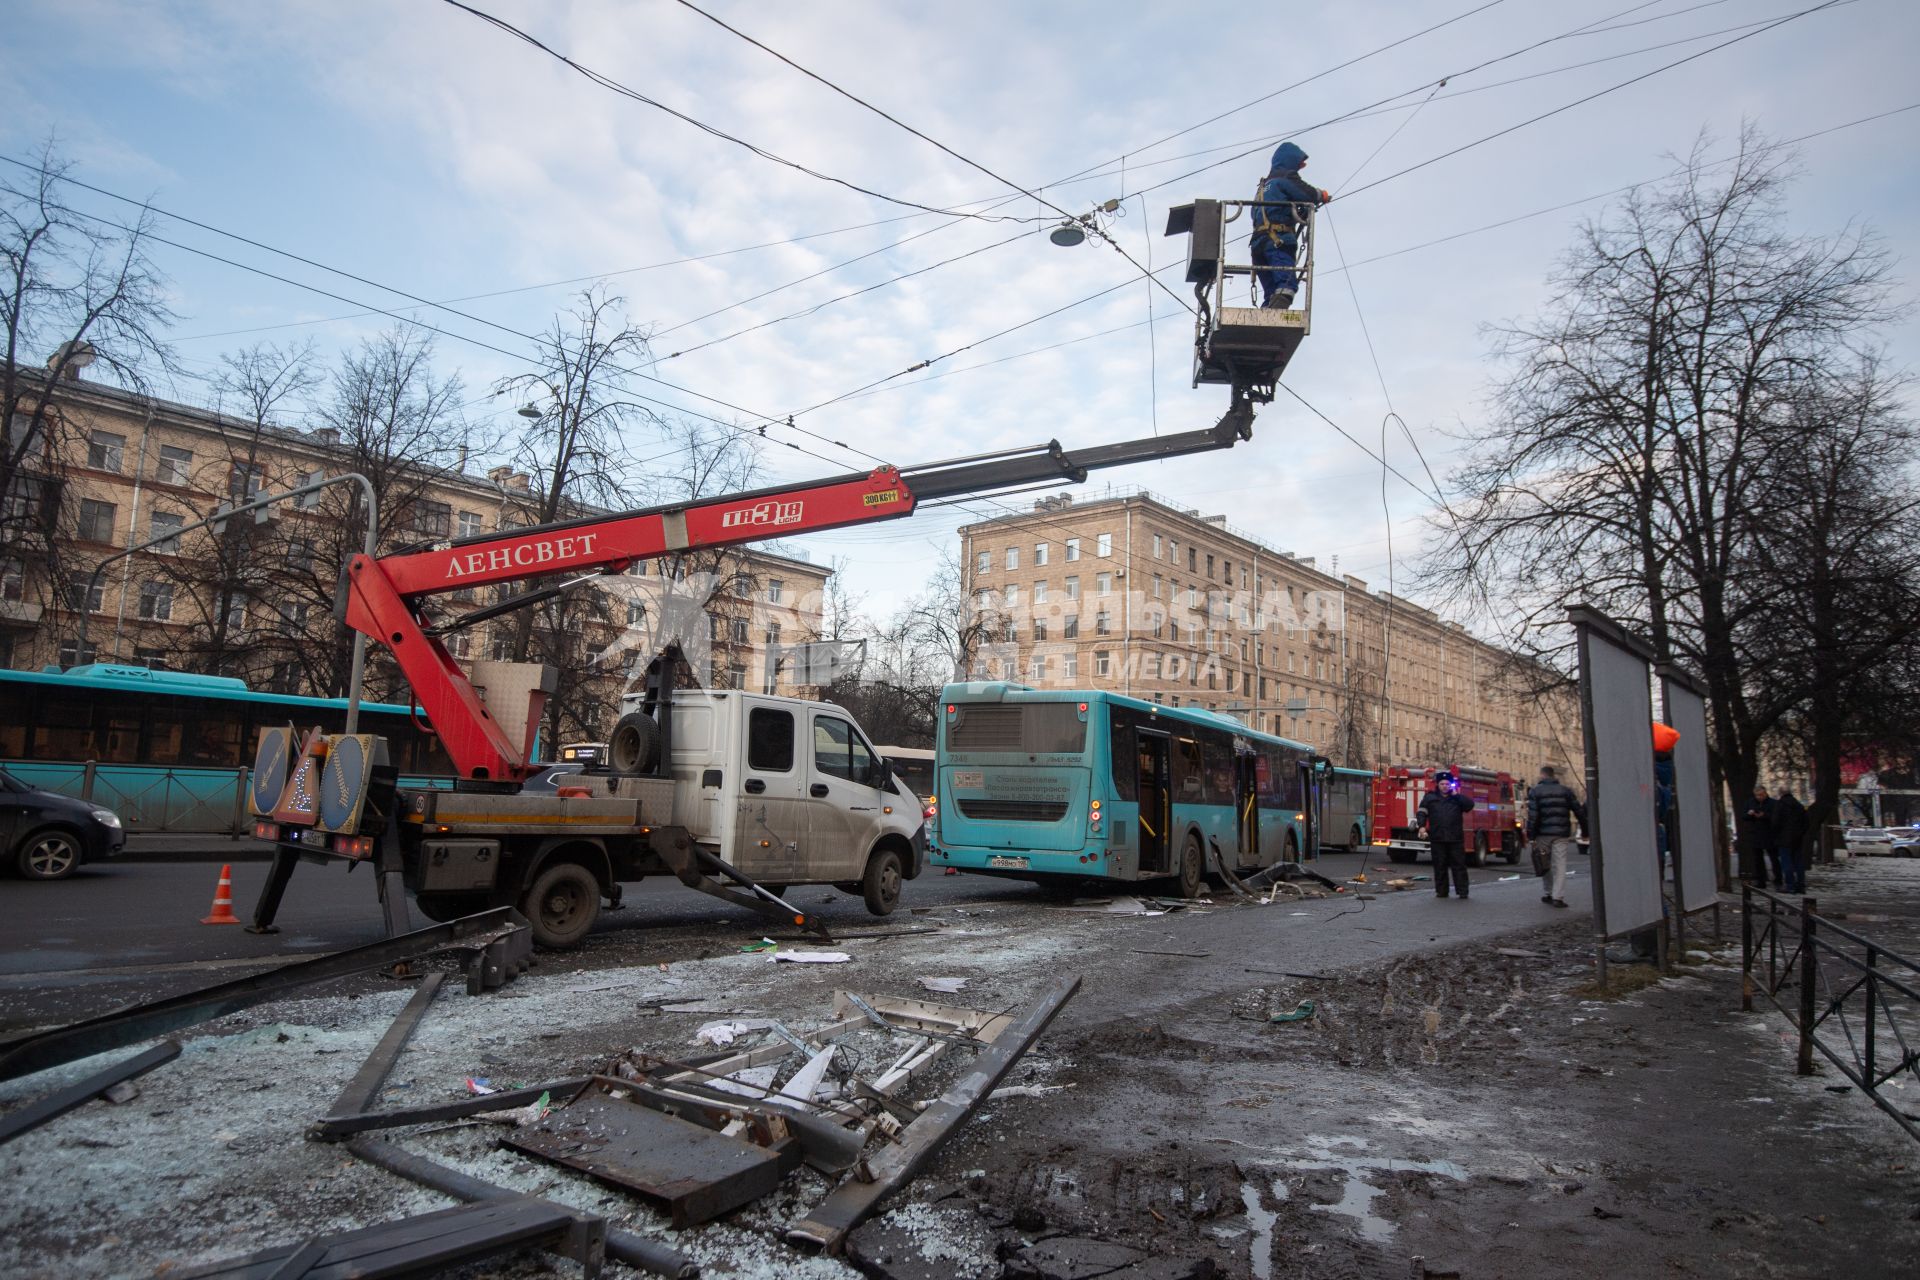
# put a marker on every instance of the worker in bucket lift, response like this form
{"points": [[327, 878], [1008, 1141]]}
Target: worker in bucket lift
{"points": [[1276, 225]]}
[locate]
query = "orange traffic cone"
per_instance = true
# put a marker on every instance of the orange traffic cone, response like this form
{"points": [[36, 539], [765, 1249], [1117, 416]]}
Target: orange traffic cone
{"points": [[223, 899]]}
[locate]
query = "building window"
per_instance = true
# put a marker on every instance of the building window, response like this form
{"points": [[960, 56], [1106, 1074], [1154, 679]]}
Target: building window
{"points": [[1073, 587], [433, 519], [1039, 630], [163, 530], [773, 634], [776, 590], [175, 465], [596, 654], [1010, 631], [1156, 586], [1100, 627], [86, 591], [293, 614], [1073, 549], [1209, 566], [1013, 557], [71, 655], [471, 524], [106, 451], [13, 579], [497, 650], [1039, 555], [983, 563], [1102, 663], [236, 613], [1070, 626], [1103, 584], [96, 520], [636, 613], [300, 554], [156, 600], [284, 678], [1193, 560], [155, 658], [308, 501], [1013, 595], [460, 644], [742, 587], [736, 676], [1193, 596], [1040, 591], [1070, 666], [737, 632], [1103, 545], [1037, 669], [245, 481]]}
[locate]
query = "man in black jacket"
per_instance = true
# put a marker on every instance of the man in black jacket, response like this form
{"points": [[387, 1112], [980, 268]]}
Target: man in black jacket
{"points": [[1766, 853], [1442, 813], [1788, 832], [1551, 810]]}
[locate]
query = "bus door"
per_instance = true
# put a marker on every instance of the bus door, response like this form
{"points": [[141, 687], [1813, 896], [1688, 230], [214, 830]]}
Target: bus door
{"points": [[1246, 804], [1309, 811], [1154, 785]]}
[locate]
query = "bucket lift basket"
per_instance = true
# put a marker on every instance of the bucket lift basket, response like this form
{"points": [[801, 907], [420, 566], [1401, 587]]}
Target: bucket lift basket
{"points": [[1236, 341]]}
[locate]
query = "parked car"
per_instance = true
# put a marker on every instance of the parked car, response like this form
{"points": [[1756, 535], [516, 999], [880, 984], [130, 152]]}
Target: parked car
{"points": [[47, 836], [550, 777], [1884, 842]]}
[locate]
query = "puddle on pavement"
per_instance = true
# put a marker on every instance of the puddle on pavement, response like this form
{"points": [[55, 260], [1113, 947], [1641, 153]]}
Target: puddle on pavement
{"points": [[1348, 1156], [1262, 1220]]}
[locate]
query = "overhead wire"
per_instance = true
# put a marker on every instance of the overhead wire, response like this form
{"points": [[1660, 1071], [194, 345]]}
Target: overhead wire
{"points": [[614, 86]]}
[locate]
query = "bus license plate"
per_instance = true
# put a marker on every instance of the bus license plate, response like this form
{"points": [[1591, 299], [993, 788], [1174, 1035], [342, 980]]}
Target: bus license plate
{"points": [[970, 779], [1008, 862]]}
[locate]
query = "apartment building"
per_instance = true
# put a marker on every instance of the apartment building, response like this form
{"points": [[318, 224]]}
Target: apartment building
{"points": [[256, 600], [1136, 594]]}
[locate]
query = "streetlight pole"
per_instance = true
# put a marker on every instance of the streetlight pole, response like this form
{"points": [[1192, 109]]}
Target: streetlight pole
{"points": [[357, 669]]}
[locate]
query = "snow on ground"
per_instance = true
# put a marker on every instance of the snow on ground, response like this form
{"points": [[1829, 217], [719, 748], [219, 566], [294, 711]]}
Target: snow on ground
{"points": [[211, 1160]]}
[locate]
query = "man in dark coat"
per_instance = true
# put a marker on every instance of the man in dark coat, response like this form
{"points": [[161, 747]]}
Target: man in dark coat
{"points": [[1442, 817], [1552, 808], [1788, 833], [1766, 854], [1284, 203]]}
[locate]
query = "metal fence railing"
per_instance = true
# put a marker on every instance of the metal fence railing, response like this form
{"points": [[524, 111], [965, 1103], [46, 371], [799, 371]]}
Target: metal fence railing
{"points": [[149, 797], [1851, 998]]}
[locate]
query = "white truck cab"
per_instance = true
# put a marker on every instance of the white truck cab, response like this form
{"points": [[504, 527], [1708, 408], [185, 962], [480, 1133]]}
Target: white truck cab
{"points": [[788, 791]]}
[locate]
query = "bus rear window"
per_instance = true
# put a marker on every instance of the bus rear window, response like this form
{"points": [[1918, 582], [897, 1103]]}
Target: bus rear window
{"points": [[1041, 728]]}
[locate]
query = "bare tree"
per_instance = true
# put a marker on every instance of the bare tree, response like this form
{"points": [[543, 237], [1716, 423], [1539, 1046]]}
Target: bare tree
{"points": [[75, 292], [1621, 465]]}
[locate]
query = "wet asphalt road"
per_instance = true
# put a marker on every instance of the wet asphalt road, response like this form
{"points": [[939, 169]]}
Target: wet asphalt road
{"points": [[121, 932]]}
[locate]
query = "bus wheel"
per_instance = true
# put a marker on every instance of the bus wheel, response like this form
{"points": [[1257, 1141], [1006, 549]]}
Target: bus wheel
{"points": [[1356, 841], [562, 905], [881, 887], [450, 906], [1480, 850], [1193, 869]]}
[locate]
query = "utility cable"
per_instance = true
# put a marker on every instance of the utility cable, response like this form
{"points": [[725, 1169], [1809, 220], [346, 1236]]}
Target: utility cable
{"points": [[615, 86], [856, 99], [1577, 102]]}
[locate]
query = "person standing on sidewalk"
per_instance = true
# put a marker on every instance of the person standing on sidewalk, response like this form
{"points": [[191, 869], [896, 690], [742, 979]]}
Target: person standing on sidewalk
{"points": [[1766, 853], [1788, 834], [1442, 813], [1552, 808]]}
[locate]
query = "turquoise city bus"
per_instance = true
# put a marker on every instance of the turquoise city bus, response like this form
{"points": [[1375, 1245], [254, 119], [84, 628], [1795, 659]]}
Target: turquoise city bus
{"points": [[1346, 808], [164, 748], [1051, 784]]}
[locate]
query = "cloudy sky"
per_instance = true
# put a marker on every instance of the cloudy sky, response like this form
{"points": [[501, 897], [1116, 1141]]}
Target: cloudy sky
{"points": [[416, 146]]}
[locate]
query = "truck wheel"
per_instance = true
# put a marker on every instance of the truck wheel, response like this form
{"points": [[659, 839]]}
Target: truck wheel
{"points": [[881, 885], [1402, 855], [562, 905], [1479, 858], [635, 743], [450, 906], [1510, 850], [1193, 869]]}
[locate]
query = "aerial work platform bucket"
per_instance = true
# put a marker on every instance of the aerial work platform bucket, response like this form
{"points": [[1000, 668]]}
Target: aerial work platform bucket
{"points": [[1246, 347]]}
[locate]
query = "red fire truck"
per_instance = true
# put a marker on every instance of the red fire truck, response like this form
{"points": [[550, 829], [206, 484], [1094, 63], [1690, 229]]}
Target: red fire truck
{"points": [[1493, 825]]}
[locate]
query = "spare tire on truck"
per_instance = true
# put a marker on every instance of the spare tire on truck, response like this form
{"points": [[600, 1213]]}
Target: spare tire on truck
{"points": [[634, 747]]}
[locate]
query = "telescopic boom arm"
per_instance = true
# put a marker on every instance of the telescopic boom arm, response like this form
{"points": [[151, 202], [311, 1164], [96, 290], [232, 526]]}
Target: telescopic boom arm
{"points": [[386, 592]]}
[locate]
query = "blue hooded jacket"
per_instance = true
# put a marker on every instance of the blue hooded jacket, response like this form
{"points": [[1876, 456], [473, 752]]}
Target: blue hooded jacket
{"points": [[1283, 183]]}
